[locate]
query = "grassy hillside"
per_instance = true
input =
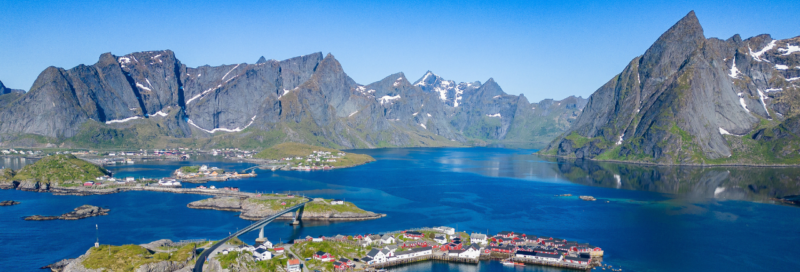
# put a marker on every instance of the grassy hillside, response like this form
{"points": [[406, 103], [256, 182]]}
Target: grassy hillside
{"points": [[325, 206], [130, 257], [60, 168], [293, 150]]}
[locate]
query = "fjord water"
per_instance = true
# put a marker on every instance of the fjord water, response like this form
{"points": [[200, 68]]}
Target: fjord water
{"points": [[646, 218]]}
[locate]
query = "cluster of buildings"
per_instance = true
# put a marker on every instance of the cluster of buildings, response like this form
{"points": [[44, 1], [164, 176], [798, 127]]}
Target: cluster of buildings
{"points": [[20, 152], [260, 252], [167, 182], [392, 247], [212, 187], [233, 153], [317, 160], [209, 172]]}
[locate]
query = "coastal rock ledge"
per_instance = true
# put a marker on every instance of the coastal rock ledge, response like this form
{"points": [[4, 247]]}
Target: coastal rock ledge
{"points": [[81, 212]]}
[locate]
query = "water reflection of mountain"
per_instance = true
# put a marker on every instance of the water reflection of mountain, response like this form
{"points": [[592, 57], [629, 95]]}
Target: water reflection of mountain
{"points": [[722, 182], [15, 163]]}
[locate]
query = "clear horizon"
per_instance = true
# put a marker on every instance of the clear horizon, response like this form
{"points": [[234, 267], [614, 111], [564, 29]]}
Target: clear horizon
{"points": [[541, 50]]}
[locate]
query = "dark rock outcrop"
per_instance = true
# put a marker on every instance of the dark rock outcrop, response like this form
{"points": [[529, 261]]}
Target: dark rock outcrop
{"points": [[81, 212], [9, 203], [58, 266]]}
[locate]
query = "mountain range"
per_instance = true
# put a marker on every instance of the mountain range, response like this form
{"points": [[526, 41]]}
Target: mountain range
{"points": [[695, 100], [150, 99]]}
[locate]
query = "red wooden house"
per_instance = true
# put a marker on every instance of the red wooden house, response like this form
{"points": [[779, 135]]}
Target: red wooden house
{"points": [[340, 266], [323, 256], [413, 234]]}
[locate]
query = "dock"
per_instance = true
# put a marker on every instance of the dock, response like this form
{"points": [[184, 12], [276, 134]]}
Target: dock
{"points": [[584, 267]]}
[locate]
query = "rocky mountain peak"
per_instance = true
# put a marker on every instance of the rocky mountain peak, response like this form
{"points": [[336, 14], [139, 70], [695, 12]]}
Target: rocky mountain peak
{"points": [[261, 60], [689, 99], [672, 48]]}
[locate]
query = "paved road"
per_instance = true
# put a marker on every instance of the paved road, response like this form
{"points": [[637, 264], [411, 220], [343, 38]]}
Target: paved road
{"points": [[198, 266], [302, 261]]}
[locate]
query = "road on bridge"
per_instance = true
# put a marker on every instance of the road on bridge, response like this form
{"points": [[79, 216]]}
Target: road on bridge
{"points": [[198, 266]]}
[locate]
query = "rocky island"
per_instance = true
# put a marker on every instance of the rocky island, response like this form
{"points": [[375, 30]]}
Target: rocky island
{"points": [[297, 156], [81, 212], [9, 203], [258, 207]]}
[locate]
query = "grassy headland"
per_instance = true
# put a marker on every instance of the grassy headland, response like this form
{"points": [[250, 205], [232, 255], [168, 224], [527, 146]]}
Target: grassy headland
{"points": [[130, 257], [59, 168]]}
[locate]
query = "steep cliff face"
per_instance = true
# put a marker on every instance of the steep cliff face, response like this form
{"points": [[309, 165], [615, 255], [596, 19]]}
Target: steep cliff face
{"points": [[150, 98], [8, 96], [687, 99]]}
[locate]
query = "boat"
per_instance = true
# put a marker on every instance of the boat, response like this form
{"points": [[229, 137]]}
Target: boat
{"points": [[507, 262], [519, 264]]}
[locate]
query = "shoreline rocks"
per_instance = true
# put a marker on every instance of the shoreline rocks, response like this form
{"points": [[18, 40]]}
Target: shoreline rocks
{"points": [[58, 266], [9, 203], [81, 212]]}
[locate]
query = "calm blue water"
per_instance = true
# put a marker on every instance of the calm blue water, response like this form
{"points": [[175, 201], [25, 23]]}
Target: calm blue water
{"points": [[473, 189]]}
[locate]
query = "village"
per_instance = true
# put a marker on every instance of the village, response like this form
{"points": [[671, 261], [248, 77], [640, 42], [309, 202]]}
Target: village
{"points": [[317, 160], [371, 252], [122, 157], [203, 173], [191, 174]]}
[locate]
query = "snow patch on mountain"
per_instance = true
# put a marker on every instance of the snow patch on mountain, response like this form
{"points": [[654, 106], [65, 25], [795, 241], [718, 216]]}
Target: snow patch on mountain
{"points": [[143, 87], [237, 129], [757, 55], [388, 99], [226, 74], [741, 102], [725, 132], [734, 71], [762, 97], [789, 49], [122, 120]]}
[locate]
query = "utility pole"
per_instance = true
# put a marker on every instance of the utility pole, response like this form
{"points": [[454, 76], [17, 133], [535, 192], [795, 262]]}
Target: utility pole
{"points": [[97, 235]]}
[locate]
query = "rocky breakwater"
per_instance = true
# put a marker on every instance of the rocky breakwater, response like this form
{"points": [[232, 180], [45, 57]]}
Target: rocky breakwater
{"points": [[81, 212], [258, 207]]}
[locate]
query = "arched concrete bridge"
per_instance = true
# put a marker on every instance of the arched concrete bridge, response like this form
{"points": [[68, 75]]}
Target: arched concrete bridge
{"points": [[198, 266]]}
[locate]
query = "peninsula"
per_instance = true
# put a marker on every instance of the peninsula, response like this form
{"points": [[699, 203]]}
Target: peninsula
{"points": [[297, 156]]}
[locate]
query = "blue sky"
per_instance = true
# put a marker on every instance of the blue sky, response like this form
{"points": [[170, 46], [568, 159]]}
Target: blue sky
{"points": [[541, 49]]}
